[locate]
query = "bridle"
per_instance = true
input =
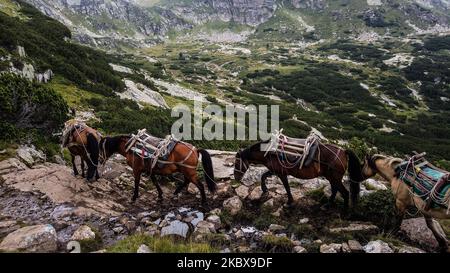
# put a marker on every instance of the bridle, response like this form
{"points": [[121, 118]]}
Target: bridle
{"points": [[241, 164]]}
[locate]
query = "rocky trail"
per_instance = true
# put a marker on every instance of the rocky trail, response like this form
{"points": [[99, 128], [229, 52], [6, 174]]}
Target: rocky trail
{"points": [[43, 208]]}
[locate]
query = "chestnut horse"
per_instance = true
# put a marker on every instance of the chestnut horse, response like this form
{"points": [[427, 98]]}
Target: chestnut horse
{"points": [[82, 140], [331, 162], [404, 198], [183, 158]]}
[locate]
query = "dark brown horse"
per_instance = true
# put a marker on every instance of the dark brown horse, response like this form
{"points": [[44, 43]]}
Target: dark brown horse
{"points": [[183, 158], [82, 140], [330, 162]]}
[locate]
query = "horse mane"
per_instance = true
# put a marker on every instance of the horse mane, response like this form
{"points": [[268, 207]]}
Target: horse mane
{"points": [[246, 153], [112, 143], [392, 162]]}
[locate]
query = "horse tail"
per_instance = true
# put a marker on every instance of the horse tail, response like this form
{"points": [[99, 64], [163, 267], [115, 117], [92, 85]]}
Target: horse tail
{"points": [[208, 171], [93, 149], [355, 174]]}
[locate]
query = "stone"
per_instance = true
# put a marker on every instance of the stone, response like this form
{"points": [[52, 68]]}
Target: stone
{"points": [[233, 205], [269, 203], [410, 249], [355, 246], [276, 228], [118, 229], [242, 191], [29, 155], [255, 194], [300, 249], [144, 249], [355, 227], [303, 221], [205, 227], [39, 238], [329, 248], [215, 220], [7, 227], [253, 175], [417, 231], [83, 233], [372, 184], [11, 165], [377, 246], [346, 248], [175, 228]]}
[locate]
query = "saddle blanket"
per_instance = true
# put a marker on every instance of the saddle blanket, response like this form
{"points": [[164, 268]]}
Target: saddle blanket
{"points": [[426, 181]]}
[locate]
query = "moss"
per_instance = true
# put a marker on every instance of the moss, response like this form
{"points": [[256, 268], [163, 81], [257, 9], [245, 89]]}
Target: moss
{"points": [[273, 243], [90, 245], [159, 245]]}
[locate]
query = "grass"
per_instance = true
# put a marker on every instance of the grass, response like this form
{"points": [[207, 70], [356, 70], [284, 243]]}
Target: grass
{"points": [[74, 96], [159, 245], [273, 243]]}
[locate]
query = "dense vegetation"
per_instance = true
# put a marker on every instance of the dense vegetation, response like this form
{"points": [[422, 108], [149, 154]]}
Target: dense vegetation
{"points": [[45, 43], [29, 111]]}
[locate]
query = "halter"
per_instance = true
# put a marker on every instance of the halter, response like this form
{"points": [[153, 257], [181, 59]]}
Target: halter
{"points": [[241, 163]]}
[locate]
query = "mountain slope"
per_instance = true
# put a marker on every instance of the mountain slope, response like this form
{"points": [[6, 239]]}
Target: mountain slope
{"points": [[135, 23]]}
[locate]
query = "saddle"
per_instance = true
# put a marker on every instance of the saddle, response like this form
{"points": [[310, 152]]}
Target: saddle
{"points": [[295, 151], [426, 180], [151, 148], [75, 127]]}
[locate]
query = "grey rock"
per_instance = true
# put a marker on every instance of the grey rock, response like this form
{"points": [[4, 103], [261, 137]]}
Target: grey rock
{"points": [[83, 233], [39, 238], [233, 205], [175, 228], [377, 246], [144, 249]]}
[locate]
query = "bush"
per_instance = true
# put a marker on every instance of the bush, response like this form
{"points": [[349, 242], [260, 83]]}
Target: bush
{"points": [[25, 105], [379, 208]]}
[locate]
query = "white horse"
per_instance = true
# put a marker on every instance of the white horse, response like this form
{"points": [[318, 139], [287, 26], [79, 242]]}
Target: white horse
{"points": [[404, 198]]}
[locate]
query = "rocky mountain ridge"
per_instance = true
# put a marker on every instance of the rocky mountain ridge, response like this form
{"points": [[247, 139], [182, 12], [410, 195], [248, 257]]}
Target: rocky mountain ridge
{"points": [[110, 24]]}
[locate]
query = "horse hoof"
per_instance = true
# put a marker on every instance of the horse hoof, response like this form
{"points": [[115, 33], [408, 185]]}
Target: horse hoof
{"points": [[288, 205]]}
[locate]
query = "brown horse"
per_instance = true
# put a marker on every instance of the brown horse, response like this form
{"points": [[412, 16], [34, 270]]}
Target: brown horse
{"points": [[183, 158], [82, 140], [331, 162], [385, 167]]}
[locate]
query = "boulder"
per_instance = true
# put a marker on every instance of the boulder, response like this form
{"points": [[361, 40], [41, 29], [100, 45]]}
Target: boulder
{"points": [[143, 249], [29, 155], [7, 227], [233, 205], [377, 246], [300, 249], [255, 194], [83, 233], [11, 165], [355, 227], [355, 246], [215, 220], [175, 228], [205, 227], [39, 238], [372, 184], [417, 231], [331, 248], [410, 249], [242, 191], [253, 175], [276, 228]]}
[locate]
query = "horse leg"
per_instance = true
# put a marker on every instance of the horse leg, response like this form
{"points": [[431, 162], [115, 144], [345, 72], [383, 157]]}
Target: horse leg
{"points": [[285, 181], [344, 193], [137, 180], [181, 186], [263, 180], [74, 166], [82, 167], [194, 179], [438, 233], [158, 188]]}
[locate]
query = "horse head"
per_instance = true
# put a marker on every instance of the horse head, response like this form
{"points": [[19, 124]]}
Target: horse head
{"points": [[383, 165], [112, 145], [240, 165]]}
